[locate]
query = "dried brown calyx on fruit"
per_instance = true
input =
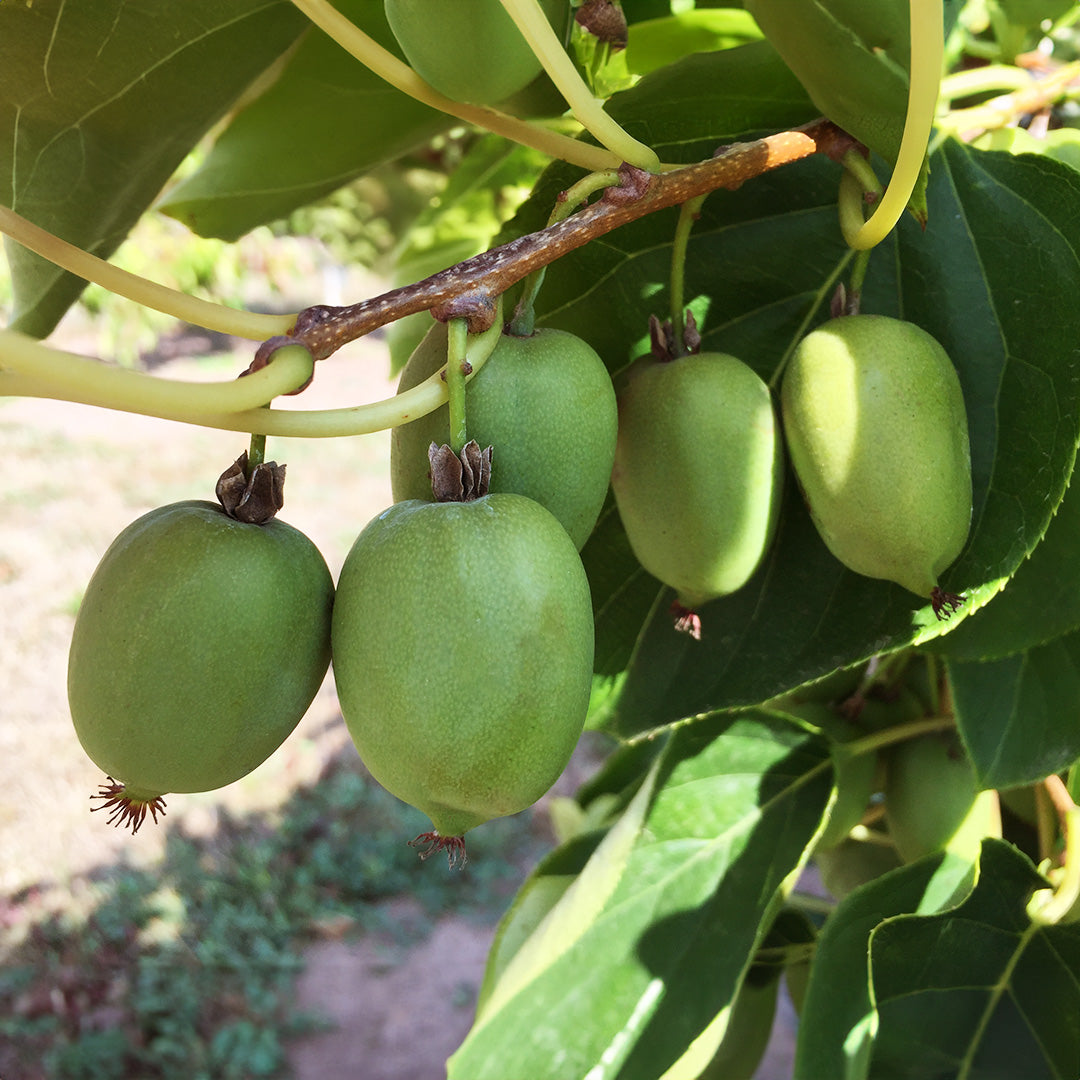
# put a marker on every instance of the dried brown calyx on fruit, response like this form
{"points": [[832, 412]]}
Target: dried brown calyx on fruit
{"points": [[253, 495], [459, 478], [605, 20]]}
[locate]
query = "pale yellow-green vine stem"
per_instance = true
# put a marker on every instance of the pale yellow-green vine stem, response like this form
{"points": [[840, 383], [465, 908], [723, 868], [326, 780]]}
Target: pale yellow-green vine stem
{"points": [[92, 388], [579, 192], [1048, 907], [53, 373], [530, 19], [927, 56], [851, 203], [245, 324], [402, 77], [982, 80]]}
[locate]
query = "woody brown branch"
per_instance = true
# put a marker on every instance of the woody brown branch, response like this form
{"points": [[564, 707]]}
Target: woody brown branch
{"points": [[469, 289]]}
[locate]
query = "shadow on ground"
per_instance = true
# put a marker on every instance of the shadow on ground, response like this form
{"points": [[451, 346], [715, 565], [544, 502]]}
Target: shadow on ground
{"points": [[190, 967]]}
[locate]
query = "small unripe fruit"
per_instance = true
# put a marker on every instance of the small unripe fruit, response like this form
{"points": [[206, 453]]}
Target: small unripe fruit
{"points": [[546, 406], [932, 799], [463, 645], [877, 433], [697, 472], [852, 863], [469, 50], [198, 646]]}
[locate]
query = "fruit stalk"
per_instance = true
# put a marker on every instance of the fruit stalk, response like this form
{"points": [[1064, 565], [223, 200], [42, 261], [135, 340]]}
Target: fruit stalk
{"points": [[537, 31], [688, 214], [399, 75], [256, 453], [151, 294], [89, 382], [456, 370], [41, 371]]}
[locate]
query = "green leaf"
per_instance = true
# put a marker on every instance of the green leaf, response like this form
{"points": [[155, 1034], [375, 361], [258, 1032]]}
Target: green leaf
{"points": [[837, 1020], [978, 992], [1032, 13], [1017, 715], [655, 43], [1040, 602], [852, 57], [900, 987], [1060, 143], [323, 122], [624, 595], [736, 803], [536, 898], [510, 970], [99, 103], [760, 266]]}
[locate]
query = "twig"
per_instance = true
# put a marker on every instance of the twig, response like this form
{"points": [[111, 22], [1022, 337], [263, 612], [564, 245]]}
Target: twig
{"points": [[1001, 111], [468, 289]]}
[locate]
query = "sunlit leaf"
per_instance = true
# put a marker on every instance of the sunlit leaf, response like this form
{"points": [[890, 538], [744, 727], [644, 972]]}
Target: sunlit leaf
{"points": [[736, 803], [1018, 715], [325, 120], [99, 103]]}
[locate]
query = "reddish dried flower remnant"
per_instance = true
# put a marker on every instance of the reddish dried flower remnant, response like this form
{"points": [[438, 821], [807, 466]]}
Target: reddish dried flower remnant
{"points": [[127, 808], [432, 843]]}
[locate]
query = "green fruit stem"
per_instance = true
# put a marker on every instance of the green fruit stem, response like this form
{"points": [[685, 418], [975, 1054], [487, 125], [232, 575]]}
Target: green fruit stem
{"points": [[524, 321], [34, 370], [984, 80], [897, 734], [256, 454], [402, 77], [1062, 903], [537, 31], [30, 369], [456, 352], [688, 214]]}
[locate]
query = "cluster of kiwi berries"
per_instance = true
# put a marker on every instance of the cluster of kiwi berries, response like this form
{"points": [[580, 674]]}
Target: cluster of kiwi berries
{"points": [[461, 625], [875, 426]]}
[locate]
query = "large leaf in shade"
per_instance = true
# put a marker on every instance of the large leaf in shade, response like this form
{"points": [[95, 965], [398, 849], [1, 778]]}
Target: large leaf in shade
{"points": [[326, 120], [980, 991], [758, 272], [735, 804], [1040, 602], [838, 996], [99, 103], [1017, 715], [975, 990]]}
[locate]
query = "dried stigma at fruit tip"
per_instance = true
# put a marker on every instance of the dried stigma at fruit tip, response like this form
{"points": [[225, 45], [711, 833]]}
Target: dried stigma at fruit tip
{"points": [[685, 620], [433, 842], [127, 808], [945, 603]]}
